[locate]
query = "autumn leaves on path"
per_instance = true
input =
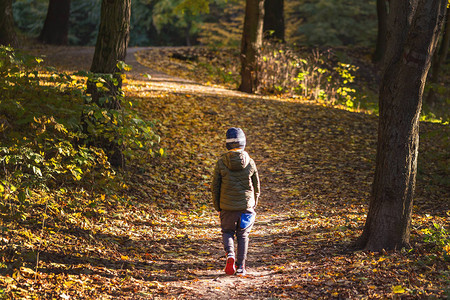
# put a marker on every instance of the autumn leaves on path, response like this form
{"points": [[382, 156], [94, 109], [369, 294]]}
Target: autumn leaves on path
{"points": [[315, 165]]}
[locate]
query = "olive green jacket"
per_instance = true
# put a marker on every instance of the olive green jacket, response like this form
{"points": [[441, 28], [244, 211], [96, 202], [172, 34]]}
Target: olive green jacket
{"points": [[235, 184]]}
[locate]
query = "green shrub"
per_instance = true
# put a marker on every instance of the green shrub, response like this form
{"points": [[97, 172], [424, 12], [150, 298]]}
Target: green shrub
{"points": [[439, 237], [44, 141], [315, 76]]}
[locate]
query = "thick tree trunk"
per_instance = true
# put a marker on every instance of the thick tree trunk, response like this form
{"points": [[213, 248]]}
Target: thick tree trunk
{"points": [[274, 20], [112, 40], [111, 47], [380, 47], [251, 43], [413, 38], [56, 25], [113, 36], [7, 33], [439, 59]]}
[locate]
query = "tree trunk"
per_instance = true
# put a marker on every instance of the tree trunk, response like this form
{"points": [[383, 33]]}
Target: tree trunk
{"points": [[251, 43], [274, 20], [56, 25], [111, 47], [7, 32], [414, 30], [380, 47], [112, 40], [439, 59]]}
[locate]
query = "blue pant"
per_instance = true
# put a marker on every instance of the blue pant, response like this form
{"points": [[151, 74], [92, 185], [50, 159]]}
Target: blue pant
{"points": [[230, 222]]}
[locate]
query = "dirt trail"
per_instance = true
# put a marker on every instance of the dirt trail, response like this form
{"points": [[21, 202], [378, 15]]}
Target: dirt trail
{"points": [[270, 246], [316, 166], [211, 282], [80, 58]]}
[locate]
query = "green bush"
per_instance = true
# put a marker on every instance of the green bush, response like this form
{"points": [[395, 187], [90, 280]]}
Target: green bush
{"points": [[44, 144], [106, 126], [439, 237], [315, 76]]}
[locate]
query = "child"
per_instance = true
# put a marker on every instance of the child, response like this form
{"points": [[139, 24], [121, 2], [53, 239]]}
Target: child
{"points": [[235, 189]]}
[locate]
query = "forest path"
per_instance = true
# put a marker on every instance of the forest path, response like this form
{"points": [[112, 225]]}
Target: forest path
{"points": [[295, 232], [316, 167], [72, 59], [210, 281]]}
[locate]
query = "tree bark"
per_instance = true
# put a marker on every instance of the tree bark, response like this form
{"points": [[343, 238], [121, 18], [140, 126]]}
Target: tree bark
{"points": [[111, 47], [251, 43], [113, 36], [380, 47], [7, 33], [414, 30], [112, 40], [56, 25], [274, 20]]}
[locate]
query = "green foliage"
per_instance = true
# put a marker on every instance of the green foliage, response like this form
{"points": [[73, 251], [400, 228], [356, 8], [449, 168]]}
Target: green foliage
{"points": [[218, 22], [438, 111], [105, 125], [48, 159], [84, 22], [223, 25], [179, 18], [38, 150], [332, 23], [439, 237], [29, 15], [153, 22], [44, 144], [315, 76]]}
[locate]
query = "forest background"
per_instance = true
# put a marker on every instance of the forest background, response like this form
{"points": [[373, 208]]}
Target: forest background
{"points": [[185, 23], [75, 226], [345, 28]]}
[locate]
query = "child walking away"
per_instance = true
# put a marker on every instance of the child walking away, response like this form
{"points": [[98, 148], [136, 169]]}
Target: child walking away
{"points": [[235, 189]]}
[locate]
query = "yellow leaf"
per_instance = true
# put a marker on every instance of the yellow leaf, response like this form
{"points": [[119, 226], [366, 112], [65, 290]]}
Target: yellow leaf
{"points": [[68, 283], [161, 151], [398, 289], [26, 271]]}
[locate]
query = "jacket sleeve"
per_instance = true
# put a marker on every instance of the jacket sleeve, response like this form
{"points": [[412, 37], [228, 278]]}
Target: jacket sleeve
{"points": [[215, 187], [255, 182]]}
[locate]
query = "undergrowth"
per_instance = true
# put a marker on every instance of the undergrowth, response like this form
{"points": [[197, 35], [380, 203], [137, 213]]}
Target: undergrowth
{"points": [[47, 146], [343, 78]]}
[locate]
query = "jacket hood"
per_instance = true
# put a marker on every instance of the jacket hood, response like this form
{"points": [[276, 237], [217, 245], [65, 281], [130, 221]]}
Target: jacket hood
{"points": [[236, 160]]}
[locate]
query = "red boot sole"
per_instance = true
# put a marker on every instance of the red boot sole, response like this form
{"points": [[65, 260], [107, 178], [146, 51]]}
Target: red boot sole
{"points": [[230, 268]]}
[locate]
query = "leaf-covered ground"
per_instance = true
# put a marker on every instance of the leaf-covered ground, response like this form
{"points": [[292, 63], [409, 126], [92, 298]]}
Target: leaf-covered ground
{"points": [[160, 239]]}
